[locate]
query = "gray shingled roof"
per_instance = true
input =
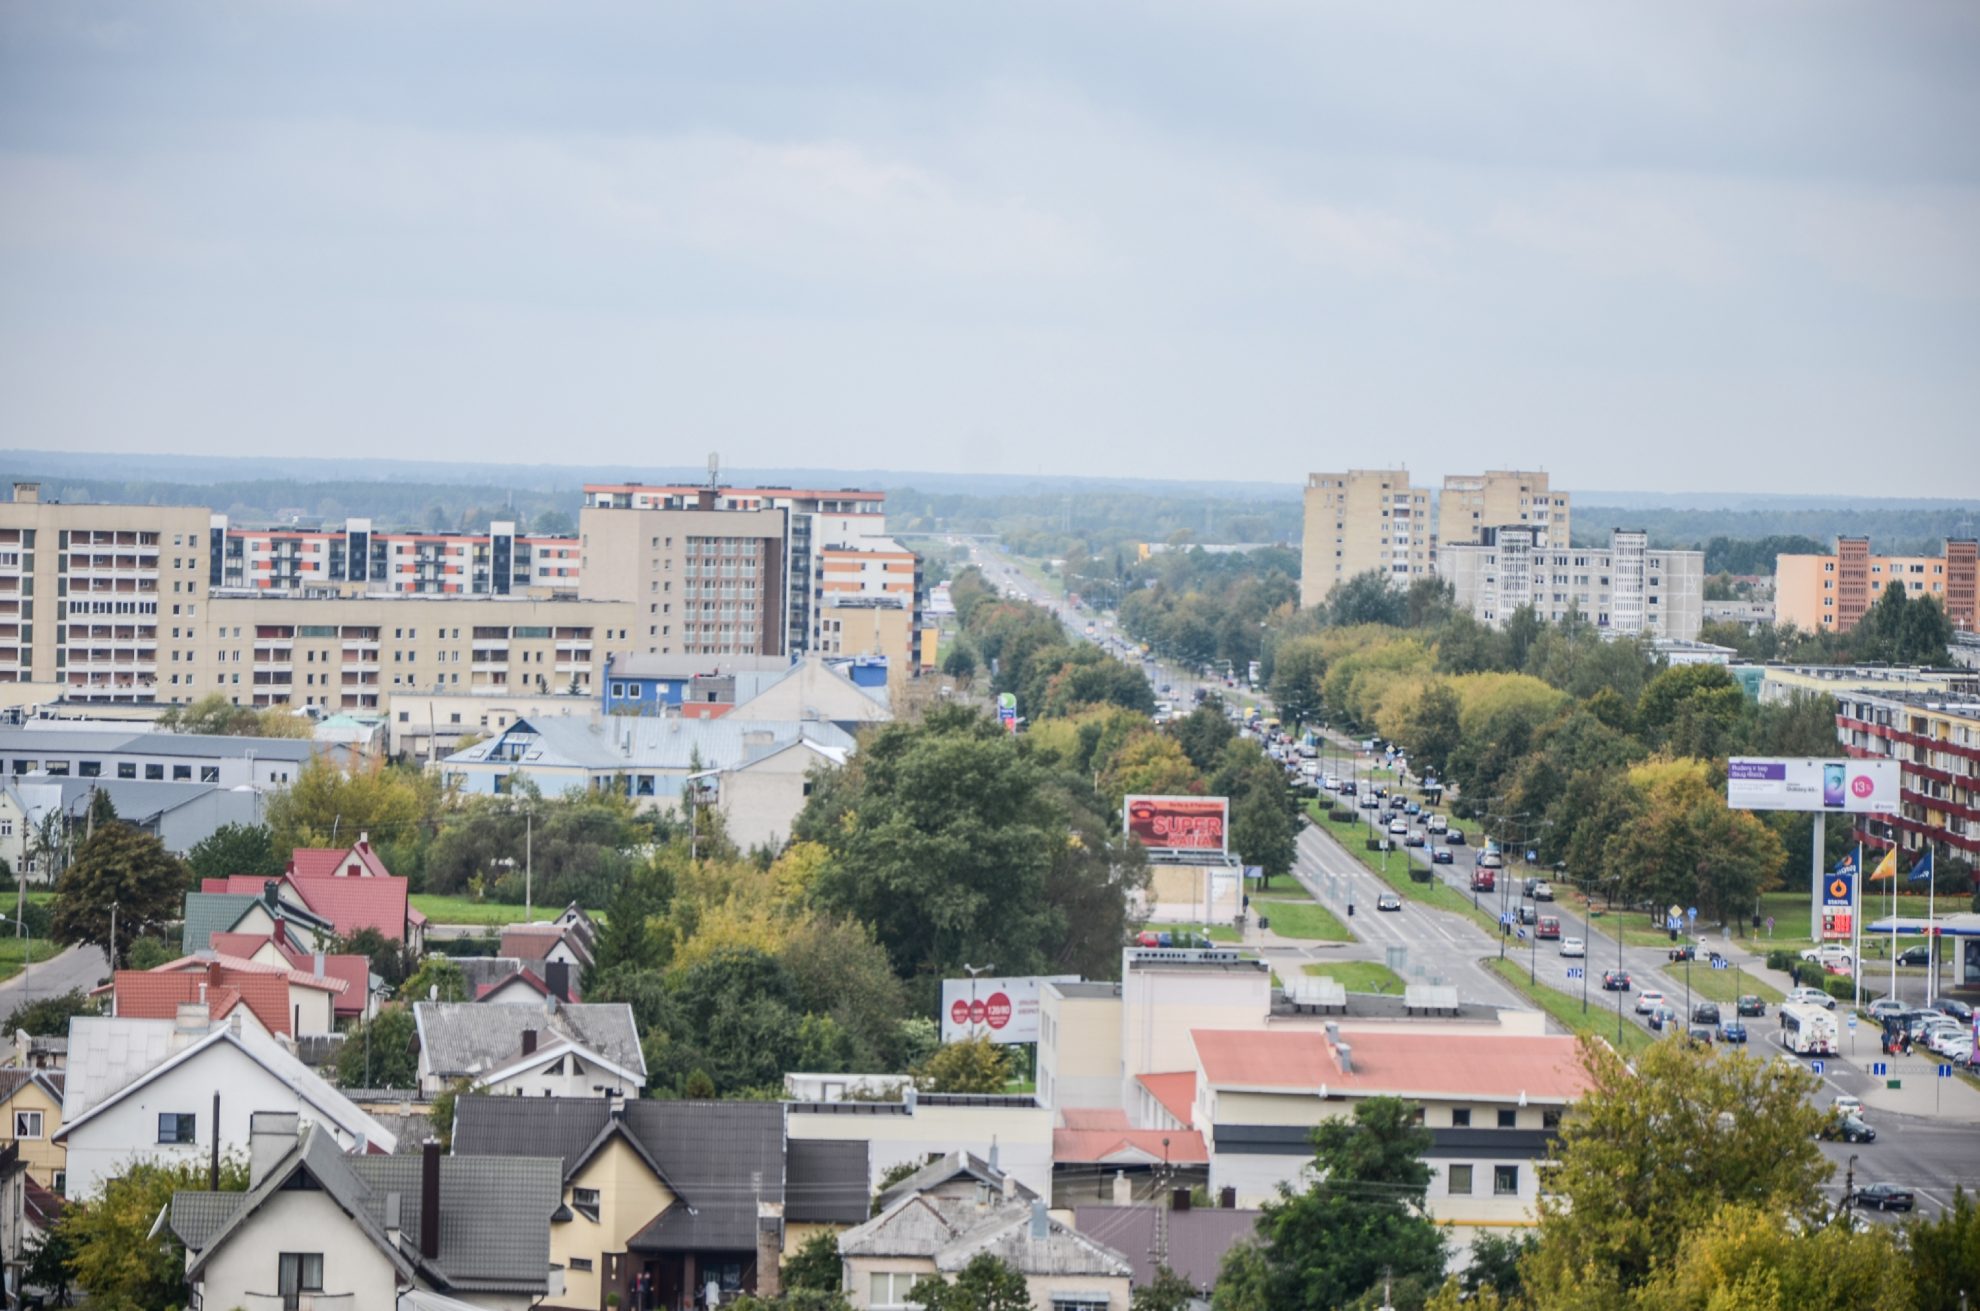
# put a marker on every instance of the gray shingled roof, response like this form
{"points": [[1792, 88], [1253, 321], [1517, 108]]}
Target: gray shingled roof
{"points": [[952, 1231], [494, 1211], [712, 1154], [825, 1180], [1197, 1239], [462, 1038]]}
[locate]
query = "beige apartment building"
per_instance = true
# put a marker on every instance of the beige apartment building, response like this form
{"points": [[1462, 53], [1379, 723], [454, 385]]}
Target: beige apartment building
{"points": [[1471, 503], [1362, 520], [114, 603]]}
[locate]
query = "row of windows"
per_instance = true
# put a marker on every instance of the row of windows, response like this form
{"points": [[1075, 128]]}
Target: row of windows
{"points": [[125, 769]]}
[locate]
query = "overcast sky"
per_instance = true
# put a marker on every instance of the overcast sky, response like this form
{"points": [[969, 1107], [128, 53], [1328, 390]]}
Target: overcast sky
{"points": [[1666, 246]]}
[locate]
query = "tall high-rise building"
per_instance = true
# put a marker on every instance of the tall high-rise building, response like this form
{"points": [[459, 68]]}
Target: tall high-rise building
{"points": [[1471, 503], [1362, 520]]}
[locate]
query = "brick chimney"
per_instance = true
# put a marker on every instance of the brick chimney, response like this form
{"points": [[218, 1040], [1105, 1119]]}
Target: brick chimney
{"points": [[769, 1248], [529, 1042]]}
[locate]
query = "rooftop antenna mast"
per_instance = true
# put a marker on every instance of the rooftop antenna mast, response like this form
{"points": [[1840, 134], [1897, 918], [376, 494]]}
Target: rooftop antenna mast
{"points": [[714, 468]]}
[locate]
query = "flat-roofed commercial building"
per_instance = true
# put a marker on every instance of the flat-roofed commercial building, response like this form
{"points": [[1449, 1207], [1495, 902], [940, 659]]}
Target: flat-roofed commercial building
{"points": [[1363, 520], [1830, 593]]}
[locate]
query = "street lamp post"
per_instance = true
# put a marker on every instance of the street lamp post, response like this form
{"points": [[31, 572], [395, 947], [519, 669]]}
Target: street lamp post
{"points": [[973, 971]]}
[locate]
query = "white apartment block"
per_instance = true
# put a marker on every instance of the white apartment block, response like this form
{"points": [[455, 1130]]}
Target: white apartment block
{"points": [[1627, 588]]}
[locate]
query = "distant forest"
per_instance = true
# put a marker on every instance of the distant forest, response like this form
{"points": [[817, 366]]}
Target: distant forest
{"points": [[1914, 531]]}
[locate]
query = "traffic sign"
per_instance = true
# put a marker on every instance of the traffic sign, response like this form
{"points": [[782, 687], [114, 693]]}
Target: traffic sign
{"points": [[1675, 911], [1815, 1067], [1852, 1021], [1692, 914], [1878, 1069], [1673, 923], [1945, 1071], [1575, 971], [1721, 963], [1522, 933]]}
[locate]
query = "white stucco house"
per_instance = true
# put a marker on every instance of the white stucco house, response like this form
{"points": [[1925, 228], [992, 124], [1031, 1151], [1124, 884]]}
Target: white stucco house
{"points": [[150, 1090]]}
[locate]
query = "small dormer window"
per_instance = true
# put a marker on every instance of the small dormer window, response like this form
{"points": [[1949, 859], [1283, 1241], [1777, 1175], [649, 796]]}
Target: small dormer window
{"points": [[585, 1202]]}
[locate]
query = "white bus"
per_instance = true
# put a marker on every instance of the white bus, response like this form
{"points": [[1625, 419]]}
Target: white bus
{"points": [[1808, 1030]]}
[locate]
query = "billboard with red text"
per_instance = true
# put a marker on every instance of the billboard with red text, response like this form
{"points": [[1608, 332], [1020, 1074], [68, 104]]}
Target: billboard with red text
{"points": [[1178, 823]]}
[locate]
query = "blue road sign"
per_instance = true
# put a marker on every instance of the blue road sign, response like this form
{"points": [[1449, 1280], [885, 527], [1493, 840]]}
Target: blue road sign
{"points": [[1815, 1067], [1671, 923], [1522, 934], [1574, 971], [1879, 1069], [1721, 963], [1692, 914], [1505, 918], [1945, 1071], [1852, 1021]]}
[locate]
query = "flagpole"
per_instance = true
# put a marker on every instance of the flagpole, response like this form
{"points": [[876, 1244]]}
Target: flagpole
{"points": [[1931, 927], [1894, 935]]}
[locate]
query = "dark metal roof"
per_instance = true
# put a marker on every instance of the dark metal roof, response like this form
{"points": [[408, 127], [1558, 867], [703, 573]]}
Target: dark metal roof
{"points": [[720, 1158], [825, 1180]]}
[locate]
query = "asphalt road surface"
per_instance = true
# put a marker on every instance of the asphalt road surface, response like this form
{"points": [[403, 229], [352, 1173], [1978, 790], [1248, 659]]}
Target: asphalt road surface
{"points": [[77, 967]]}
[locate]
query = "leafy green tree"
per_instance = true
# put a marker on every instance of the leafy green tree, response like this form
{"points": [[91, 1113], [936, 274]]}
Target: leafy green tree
{"points": [[985, 1284], [944, 846], [1167, 1291], [382, 1052], [736, 1016], [840, 971], [121, 867], [1925, 632], [48, 1017], [1203, 734], [1263, 832], [1297, 668], [1430, 729], [214, 714], [148, 953], [967, 1065], [1495, 1264], [1149, 763], [47, 1259], [389, 958], [1363, 1219], [630, 936], [114, 1253], [959, 661], [815, 1264], [1945, 1252], [1693, 710], [1746, 1257], [1366, 598], [235, 849], [328, 804], [1649, 1154], [438, 978]]}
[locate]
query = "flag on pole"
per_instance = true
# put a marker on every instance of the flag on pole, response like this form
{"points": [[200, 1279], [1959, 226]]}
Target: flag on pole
{"points": [[1923, 869], [1886, 868]]}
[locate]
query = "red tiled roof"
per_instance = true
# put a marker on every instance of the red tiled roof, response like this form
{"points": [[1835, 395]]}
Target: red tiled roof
{"points": [[526, 944], [1093, 1117], [1093, 1146], [526, 978], [353, 972], [1409, 1064], [243, 945], [358, 861], [144, 995], [44, 1205], [1176, 1092], [351, 904], [305, 977]]}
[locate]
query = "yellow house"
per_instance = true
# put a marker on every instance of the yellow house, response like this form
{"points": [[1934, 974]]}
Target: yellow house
{"points": [[662, 1199], [33, 1103]]}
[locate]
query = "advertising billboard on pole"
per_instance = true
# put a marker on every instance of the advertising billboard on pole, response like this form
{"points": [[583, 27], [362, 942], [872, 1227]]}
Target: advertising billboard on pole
{"points": [[1178, 823], [1810, 784], [1002, 1010]]}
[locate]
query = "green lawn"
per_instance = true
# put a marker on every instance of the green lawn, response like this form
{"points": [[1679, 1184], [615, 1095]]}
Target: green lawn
{"points": [[13, 951], [466, 910], [1599, 1020], [1359, 975], [1301, 919], [1435, 894]]}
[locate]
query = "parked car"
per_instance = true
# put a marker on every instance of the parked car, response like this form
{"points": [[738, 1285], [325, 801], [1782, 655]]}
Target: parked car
{"points": [[1919, 1023], [1415, 838], [1388, 901], [1442, 856], [1885, 1197], [1705, 1012], [1830, 956], [1850, 1129], [1915, 956], [1885, 1007], [1648, 1001], [1812, 997], [1950, 1041], [1615, 980], [1732, 1031], [1750, 1006], [1573, 947], [1959, 1010]]}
